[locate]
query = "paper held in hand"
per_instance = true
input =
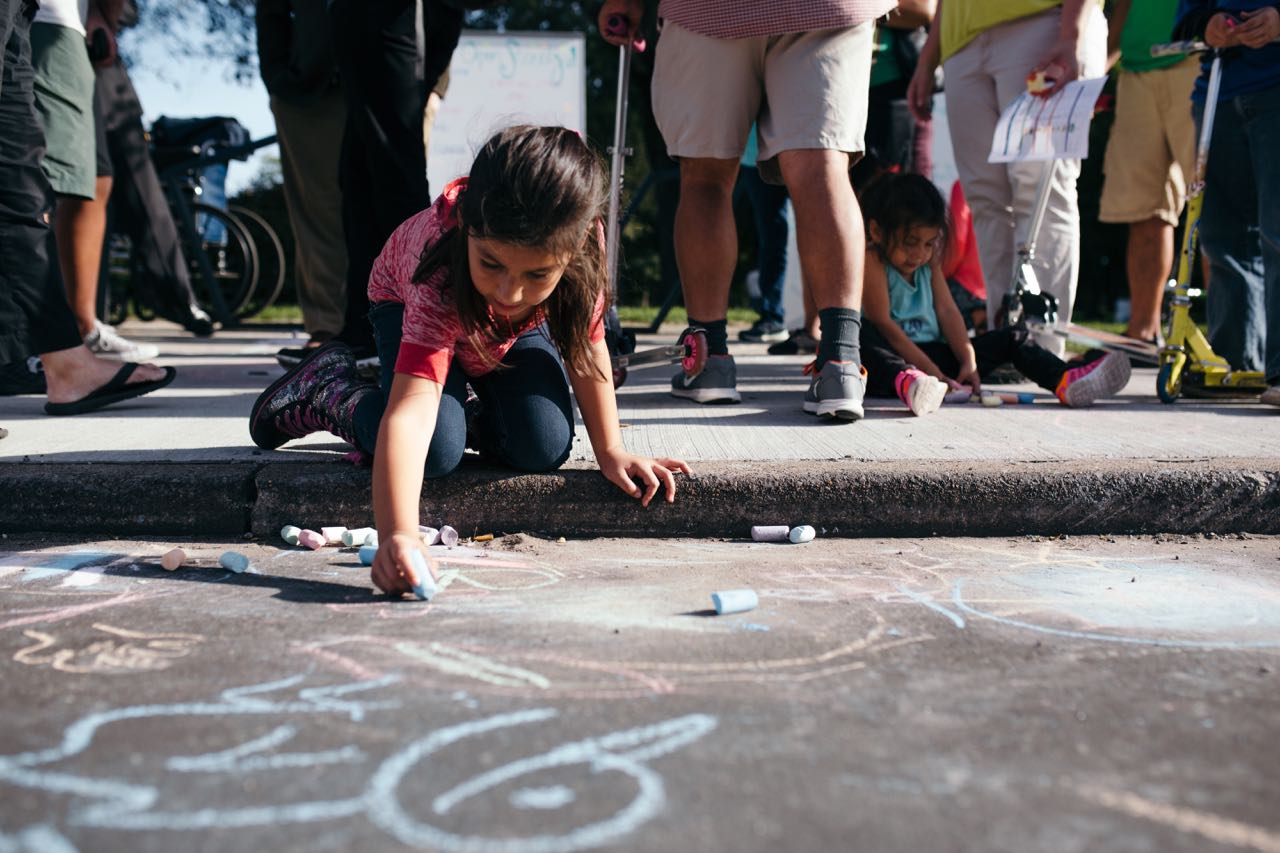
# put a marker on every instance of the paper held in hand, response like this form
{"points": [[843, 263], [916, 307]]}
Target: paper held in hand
{"points": [[1036, 128]]}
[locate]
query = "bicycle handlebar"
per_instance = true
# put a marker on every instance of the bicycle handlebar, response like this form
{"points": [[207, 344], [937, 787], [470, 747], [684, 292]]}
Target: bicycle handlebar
{"points": [[216, 153]]}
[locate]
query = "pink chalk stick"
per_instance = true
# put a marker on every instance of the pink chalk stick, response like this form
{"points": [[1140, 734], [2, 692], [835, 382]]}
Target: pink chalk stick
{"points": [[311, 539], [173, 559]]}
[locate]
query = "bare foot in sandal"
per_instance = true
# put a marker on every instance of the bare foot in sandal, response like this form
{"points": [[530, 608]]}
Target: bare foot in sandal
{"points": [[76, 374]]}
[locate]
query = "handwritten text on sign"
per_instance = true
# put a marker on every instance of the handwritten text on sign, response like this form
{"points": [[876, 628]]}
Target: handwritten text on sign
{"points": [[1035, 128]]}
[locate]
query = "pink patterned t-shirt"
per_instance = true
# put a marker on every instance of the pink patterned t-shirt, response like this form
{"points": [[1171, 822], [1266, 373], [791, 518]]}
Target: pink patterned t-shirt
{"points": [[432, 333]]}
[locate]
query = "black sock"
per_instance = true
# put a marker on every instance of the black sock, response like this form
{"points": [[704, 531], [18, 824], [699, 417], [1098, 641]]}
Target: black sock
{"points": [[839, 339], [717, 335]]}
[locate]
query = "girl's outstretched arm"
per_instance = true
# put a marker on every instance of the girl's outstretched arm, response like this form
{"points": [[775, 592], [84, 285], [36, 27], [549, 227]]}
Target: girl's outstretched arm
{"points": [[600, 413], [951, 323], [404, 438]]}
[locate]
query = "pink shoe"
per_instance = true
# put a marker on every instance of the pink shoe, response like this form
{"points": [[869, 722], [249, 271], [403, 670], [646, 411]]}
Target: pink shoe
{"points": [[922, 393], [1083, 386]]}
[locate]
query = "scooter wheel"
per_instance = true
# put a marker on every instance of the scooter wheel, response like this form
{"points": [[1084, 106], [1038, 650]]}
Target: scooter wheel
{"points": [[694, 340], [1168, 383]]}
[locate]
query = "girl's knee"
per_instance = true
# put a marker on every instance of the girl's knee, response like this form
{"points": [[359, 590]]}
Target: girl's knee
{"points": [[538, 451]]}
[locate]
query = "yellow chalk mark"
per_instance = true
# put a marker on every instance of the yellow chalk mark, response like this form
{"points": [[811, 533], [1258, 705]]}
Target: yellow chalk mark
{"points": [[1218, 829], [123, 651]]}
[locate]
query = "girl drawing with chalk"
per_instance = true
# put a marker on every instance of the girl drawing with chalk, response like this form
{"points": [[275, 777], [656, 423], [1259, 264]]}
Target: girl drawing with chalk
{"points": [[500, 287], [916, 346]]}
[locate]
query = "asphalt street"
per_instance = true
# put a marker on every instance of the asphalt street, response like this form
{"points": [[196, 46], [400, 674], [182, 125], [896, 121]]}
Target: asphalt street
{"points": [[1006, 694]]}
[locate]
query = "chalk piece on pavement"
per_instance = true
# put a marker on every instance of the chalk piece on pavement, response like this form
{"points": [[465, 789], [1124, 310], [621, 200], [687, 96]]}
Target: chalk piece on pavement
{"points": [[367, 553], [448, 536], [372, 539], [734, 600], [234, 561], [173, 559], [483, 537], [354, 537], [992, 400], [333, 535], [426, 585], [800, 535], [430, 535], [1025, 397], [770, 532], [289, 534], [311, 539], [960, 396]]}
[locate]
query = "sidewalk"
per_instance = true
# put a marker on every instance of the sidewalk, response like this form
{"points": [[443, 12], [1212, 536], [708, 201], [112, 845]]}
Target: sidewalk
{"points": [[180, 461]]}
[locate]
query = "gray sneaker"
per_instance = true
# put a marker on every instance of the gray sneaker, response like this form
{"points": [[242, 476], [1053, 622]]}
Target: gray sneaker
{"points": [[105, 341], [837, 391], [717, 383]]}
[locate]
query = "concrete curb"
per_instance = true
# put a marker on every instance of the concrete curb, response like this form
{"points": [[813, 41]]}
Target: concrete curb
{"points": [[843, 498]]}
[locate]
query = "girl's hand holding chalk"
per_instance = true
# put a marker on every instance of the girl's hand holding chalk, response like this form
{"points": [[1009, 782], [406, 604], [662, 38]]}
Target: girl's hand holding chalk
{"points": [[623, 469], [393, 569]]}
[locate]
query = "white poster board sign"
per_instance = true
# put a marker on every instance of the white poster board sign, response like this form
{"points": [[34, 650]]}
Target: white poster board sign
{"points": [[500, 79], [1035, 128]]}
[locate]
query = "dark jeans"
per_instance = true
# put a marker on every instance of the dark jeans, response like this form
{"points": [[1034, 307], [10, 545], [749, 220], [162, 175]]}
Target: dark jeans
{"points": [[992, 350], [384, 62], [1240, 231], [139, 207], [526, 417], [769, 209], [34, 315]]}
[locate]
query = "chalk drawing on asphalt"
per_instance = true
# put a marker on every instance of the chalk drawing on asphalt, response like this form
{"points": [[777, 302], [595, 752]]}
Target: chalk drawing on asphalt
{"points": [[113, 650], [535, 782]]}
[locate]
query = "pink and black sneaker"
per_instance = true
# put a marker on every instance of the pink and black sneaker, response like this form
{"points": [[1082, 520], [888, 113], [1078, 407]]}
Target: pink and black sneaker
{"points": [[1083, 386], [319, 395]]}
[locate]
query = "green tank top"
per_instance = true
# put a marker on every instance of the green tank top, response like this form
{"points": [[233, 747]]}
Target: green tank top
{"points": [[911, 304], [1149, 22]]}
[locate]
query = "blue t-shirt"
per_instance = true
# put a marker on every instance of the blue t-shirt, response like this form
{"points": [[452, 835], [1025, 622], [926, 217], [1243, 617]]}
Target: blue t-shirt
{"points": [[911, 304], [1244, 70]]}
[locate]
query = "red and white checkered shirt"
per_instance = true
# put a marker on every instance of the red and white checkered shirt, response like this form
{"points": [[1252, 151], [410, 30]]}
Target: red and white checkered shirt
{"points": [[736, 19]]}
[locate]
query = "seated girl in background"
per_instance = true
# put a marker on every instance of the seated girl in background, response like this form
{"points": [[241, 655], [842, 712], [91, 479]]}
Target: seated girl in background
{"points": [[492, 286], [915, 344]]}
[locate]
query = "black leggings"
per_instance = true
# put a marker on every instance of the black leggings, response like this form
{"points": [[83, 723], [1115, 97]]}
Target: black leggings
{"points": [[993, 349], [526, 415]]}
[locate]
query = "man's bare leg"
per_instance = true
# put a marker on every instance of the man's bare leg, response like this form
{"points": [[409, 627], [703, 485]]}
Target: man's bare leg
{"points": [[1148, 260], [706, 235], [80, 226]]}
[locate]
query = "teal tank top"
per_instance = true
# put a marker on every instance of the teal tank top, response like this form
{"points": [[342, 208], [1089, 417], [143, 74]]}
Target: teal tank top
{"points": [[911, 304]]}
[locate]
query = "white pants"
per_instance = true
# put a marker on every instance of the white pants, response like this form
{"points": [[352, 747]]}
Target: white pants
{"points": [[982, 78]]}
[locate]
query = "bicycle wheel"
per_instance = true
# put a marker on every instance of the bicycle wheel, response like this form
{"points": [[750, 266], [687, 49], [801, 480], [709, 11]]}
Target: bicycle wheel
{"points": [[223, 242], [271, 261]]}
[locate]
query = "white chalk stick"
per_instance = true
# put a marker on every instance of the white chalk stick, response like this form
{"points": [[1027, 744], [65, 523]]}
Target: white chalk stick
{"points": [[289, 533], [333, 535], [367, 553], [448, 536], [173, 559], [426, 585], [734, 600], [800, 535], [233, 561], [356, 536], [311, 539], [429, 534], [770, 532], [372, 539], [991, 400]]}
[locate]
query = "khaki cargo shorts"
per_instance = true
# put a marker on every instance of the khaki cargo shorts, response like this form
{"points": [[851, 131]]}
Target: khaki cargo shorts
{"points": [[803, 90], [1152, 149]]}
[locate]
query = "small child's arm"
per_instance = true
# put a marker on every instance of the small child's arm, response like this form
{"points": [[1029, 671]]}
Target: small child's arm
{"points": [[404, 438], [875, 307], [953, 329], [600, 414]]}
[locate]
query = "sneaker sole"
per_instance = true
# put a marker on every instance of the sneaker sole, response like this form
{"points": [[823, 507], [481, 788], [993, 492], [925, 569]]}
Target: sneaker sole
{"points": [[1106, 380], [137, 354], [844, 410], [774, 338], [926, 397], [712, 396]]}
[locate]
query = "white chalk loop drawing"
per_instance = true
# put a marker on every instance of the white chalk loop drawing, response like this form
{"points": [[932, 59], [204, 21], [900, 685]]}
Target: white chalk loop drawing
{"points": [[106, 802]]}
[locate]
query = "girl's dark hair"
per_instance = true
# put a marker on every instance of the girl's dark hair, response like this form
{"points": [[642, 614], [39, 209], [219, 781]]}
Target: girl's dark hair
{"points": [[897, 203], [537, 187]]}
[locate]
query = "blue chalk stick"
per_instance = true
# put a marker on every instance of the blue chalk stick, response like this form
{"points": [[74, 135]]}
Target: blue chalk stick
{"points": [[426, 586], [1026, 397], [367, 553], [234, 562]]}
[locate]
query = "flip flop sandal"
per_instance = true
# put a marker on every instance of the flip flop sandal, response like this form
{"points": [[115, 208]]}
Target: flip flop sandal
{"points": [[114, 391]]}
